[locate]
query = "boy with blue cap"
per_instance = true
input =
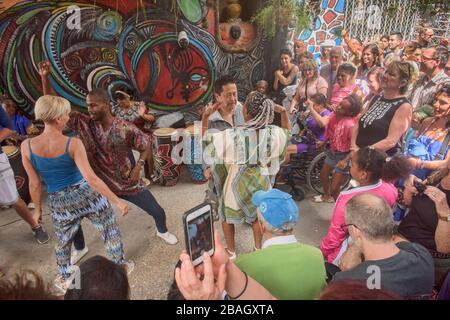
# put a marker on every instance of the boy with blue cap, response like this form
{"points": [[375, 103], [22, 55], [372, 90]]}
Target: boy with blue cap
{"points": [[285, 267]]}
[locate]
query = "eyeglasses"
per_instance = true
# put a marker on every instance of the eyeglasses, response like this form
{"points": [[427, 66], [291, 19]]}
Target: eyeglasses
{"points": [[424, 58]]}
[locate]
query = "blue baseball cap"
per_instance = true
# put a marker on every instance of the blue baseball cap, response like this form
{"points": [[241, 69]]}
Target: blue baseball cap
{"points": [[277, 207]]}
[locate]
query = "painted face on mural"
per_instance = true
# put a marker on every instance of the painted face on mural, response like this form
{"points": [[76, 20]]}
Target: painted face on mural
{"points": [[229, 96], [97, 108]]}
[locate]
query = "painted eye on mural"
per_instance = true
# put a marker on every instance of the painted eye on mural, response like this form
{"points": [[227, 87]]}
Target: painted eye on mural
{"points": [[196, 77]]}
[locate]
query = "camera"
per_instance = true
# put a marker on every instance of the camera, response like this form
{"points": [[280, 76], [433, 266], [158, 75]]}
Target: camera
{"points": [[420, 186], [183, 39], [199, 233]]}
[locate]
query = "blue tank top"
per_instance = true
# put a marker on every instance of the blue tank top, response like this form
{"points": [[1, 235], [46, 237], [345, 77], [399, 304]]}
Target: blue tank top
{"points": [[58, 172]]}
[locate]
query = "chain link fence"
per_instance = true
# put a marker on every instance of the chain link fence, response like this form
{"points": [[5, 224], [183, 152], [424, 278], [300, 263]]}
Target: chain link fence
{"points": [[368, 20]]}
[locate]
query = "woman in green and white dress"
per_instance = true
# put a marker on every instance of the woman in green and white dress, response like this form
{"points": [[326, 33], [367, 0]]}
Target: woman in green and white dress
{"points": [[243, 160]]}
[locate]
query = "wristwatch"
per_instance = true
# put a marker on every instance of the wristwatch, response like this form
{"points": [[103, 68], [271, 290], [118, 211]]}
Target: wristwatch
{"points": [[446, 219], [141, 162]]}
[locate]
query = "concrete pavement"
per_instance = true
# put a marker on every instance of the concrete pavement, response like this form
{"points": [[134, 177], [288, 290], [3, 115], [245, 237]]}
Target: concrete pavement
{"points": [[155, 260]]}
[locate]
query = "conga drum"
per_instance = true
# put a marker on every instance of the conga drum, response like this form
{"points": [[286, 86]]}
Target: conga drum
{"points": [[194, 159], [167, 172], [15, 159]]}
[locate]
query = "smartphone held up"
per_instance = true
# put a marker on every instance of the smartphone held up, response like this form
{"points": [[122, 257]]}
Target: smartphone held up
{"points": [[199, 232]]}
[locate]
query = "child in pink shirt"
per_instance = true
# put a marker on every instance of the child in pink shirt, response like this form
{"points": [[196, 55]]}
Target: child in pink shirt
{"points": [[339, 133], [376, 176], [345, 84]]}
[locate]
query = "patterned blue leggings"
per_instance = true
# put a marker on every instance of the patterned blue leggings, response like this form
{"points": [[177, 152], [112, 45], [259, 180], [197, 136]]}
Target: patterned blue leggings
{"points": [[68, 207]]}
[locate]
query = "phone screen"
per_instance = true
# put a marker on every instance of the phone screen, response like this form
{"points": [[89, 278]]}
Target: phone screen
{"points": [[199, 234]]}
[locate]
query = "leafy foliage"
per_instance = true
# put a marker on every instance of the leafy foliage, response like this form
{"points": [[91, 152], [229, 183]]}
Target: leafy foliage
{"points": [[297, 14]]}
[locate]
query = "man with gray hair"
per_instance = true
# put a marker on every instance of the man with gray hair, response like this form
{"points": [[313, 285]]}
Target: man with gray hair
{"points": [[390, 263], [434, 76], [329, 70], [285, 267]]}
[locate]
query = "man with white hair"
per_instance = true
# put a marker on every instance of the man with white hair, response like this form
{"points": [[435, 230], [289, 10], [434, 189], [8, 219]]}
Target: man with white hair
{"points": [[392, 264], [285, 267]]}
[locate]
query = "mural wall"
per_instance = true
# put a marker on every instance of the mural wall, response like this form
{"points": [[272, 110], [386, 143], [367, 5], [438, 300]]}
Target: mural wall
{"points": [[325, 27], [118, 44]]}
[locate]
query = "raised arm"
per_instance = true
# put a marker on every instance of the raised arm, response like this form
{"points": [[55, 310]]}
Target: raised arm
{"points": [[207, 112], [219, 274], [285, 123], [321, 121], [442, 233], [44, 71]]}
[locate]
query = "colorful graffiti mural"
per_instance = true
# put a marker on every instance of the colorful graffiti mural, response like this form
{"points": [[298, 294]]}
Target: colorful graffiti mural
{"points": [[117, 47], [326, 26]]}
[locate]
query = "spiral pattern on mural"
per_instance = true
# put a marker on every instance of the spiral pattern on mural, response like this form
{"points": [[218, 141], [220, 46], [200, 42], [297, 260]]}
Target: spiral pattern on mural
{"points": [[112, 52], [109, 56], [92, 55]]}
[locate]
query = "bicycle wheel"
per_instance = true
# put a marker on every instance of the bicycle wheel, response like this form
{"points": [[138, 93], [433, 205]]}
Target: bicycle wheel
{"points": [[313, 174]]}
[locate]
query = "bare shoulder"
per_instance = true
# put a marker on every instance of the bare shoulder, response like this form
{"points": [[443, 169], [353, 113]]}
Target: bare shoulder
{"points": [[405, 108], [75, 144], [24, 147]]}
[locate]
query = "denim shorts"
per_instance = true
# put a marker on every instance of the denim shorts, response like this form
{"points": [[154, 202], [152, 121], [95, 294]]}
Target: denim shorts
{"points": [[332, 159]]}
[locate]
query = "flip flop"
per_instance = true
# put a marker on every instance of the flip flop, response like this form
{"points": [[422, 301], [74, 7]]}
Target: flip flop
{"points": [[319, 199]]}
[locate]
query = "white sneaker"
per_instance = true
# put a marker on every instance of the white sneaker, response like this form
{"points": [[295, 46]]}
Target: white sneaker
{"points": [[231, 254], [61, 285], [129, 266], [147, 183], [78, 254], [168, 237]]}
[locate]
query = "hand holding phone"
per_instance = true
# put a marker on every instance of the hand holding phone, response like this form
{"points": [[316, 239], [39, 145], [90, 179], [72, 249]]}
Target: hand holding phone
{"points": [[199, 234]]}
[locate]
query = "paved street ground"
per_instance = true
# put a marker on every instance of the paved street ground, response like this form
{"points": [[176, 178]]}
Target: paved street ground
{"points": [[154, 259]]}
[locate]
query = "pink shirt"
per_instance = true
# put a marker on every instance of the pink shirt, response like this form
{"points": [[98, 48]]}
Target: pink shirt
{"points": [[331, 244], [338, 93], [339, 132], [318, 84]]}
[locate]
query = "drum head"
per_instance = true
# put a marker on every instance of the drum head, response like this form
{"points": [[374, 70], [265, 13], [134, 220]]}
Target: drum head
{"points": [[164, 132], [10, 150], [191, 130]]}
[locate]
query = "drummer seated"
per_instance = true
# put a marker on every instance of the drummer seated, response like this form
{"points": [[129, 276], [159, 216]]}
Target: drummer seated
{"points": [[22, 125]]}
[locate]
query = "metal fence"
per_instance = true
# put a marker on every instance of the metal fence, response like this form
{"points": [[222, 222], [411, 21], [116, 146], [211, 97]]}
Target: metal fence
{"points": [[370, 19], [440, 23]]}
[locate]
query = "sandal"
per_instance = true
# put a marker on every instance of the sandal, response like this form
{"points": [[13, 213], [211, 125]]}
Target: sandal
{"points": [[319, 199], [231, 254]]}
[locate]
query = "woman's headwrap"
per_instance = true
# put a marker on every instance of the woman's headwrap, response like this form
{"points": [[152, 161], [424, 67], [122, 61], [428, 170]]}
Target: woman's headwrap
{"points": [[260, 109]]}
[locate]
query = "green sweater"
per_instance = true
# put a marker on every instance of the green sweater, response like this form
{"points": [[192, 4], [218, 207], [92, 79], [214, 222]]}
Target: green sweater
{"points": [[288, 271]]}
